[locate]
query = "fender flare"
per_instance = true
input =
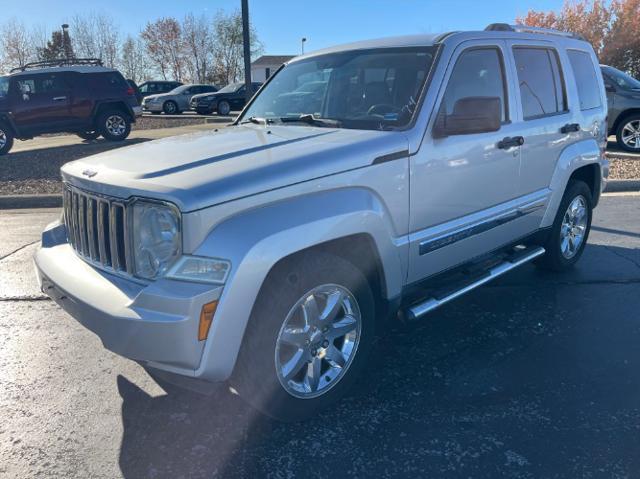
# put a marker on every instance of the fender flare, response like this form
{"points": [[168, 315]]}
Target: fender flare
{"points": [[256, 240], [576, 155]]}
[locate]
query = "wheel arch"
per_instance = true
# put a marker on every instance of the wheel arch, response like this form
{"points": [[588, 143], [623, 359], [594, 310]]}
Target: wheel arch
{"points": [[101, 107], [350, 223], [623, 116]]}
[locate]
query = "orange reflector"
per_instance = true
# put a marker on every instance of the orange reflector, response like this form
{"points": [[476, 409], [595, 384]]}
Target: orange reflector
{"points": [[206, 318]]}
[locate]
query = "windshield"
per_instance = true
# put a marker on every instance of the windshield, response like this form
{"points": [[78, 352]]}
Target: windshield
{"points": [[621, 79], [4, 86], [230, 88], [364, 89]]}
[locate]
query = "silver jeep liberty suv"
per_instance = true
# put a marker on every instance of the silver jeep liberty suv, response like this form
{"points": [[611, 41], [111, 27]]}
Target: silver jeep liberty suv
{"points": [[269, 253]]}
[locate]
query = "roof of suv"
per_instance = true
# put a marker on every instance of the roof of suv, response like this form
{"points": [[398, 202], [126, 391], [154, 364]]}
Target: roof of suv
{"points": [[427, 40]]}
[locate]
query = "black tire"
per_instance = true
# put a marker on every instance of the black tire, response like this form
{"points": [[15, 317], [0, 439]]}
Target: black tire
{"points": [[88, 135], [620, 130], [107, 122], [255, 377], [223, 108], [6, 139], [170, 108], [554, 259]]}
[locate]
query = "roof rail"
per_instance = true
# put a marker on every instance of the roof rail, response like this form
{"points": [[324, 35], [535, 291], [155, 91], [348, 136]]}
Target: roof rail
{"points": [[62, 62], [505, 27]]}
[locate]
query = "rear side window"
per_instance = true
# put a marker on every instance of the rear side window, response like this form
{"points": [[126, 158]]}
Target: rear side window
{"points": [[541, 83], [108, 81], [42, 84], [478, 73], [586, 80]]}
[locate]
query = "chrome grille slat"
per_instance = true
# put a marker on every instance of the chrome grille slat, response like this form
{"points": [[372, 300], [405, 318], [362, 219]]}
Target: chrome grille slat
{"points": [[97, 227]]}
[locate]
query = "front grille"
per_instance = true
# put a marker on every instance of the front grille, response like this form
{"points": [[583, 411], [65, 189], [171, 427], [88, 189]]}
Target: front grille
{"points": [[97, 229]]}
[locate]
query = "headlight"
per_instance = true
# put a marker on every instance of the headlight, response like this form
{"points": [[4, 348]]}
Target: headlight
{"points": [[201, 270], [157, 241]]}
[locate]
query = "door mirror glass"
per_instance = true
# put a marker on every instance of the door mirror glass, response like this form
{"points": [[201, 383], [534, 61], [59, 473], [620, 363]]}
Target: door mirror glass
{"points": [[470, 115], [610, 88]]}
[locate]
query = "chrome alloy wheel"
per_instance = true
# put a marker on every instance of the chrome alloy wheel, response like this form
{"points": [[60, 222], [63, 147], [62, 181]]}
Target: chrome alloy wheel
{"points": [[574, 227], [318, 341], [631, 134], [3, 139], [116, 125]]}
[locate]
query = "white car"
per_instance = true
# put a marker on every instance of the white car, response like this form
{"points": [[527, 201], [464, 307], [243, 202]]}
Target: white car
{"points": [[270, 253]]}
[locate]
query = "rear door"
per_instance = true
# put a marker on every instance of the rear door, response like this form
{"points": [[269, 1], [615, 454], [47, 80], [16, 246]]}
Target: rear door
{"points": [[543, 114]]}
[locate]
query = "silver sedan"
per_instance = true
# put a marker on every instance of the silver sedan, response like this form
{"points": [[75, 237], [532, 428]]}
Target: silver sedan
{"points": [[176, 101]]}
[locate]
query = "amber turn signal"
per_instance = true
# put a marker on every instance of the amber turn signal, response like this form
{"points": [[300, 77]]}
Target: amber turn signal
{"points": [[206, 318]]}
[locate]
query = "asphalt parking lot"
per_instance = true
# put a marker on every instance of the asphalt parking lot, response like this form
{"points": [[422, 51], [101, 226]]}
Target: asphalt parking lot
{"points": [[536, 375]]}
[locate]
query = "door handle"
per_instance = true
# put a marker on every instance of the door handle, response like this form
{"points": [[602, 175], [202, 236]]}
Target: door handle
{"points": [[510, 142], [59, 98], [569, 127]]}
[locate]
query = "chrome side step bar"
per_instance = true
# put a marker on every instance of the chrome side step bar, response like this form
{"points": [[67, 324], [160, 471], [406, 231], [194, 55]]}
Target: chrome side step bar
{"points": [[418, 310]]}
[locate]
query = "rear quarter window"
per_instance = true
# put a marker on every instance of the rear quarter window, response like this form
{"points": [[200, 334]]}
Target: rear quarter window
{"points": [[108, 81], [584, 72]]}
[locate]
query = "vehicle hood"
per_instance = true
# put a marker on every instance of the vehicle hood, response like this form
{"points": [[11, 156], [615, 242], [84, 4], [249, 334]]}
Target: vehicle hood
{"points": [[159, 96], [202, 169], [204, 95]]}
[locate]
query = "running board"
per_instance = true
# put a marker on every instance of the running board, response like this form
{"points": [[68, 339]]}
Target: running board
{"points": [[418, 310]]}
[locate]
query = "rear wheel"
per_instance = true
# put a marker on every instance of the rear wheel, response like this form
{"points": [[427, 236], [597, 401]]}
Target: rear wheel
{"points": [[6, 139], [628, 134], [224, 108], [309, 335], [88, 135], [570, 229], [114, 125]]}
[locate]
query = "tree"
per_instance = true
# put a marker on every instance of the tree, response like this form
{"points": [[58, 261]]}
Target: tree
{"points": [[198, 47], [622, 48], [228, 47], [163, 42], [16, 44], [58, 47], [134, 62], [96, 35]]}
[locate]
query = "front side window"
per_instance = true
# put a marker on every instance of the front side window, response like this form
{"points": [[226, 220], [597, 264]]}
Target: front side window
{"points": [[362, 89], [478, 73], [586, 80], [540, 79]]}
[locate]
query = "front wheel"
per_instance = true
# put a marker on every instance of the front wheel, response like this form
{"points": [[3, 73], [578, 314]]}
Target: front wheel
{"points": [[628, 134], [114, 125], [309, 335], [570, 230], [6, 139], [170, 108]]}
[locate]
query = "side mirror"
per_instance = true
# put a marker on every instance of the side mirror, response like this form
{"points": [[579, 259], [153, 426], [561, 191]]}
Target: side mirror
{"points": [[609, 87], [474, 114]]}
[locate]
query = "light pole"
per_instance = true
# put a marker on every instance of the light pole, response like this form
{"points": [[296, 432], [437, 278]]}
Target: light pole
{"points": [[247, 50], [66, 41], [302, 44]]}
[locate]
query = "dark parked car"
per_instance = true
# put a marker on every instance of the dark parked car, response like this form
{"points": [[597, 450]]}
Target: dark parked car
{"points": [[155, 87], [79, 96], [623, 97], [231, 97]]}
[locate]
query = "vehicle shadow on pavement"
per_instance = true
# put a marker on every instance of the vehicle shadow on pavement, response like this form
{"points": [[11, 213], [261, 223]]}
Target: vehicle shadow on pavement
{"points": [[534, 375]]}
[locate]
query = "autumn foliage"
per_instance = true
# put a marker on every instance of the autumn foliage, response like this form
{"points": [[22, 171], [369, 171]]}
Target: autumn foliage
{"points": [[613, 28]]}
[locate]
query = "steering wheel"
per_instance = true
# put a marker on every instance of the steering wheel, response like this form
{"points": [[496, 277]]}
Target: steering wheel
{"points": [[381, 109]]}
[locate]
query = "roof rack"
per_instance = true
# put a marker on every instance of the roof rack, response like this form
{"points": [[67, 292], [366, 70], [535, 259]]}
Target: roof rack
{"points": [[62, 62], [505, 27]]}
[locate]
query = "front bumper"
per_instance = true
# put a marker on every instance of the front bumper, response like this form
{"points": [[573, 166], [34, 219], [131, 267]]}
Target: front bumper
{"points": [[155, 323], [156, 106]]}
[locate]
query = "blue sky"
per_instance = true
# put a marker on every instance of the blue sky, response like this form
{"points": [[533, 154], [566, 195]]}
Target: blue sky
{"points": [[281, 24]]}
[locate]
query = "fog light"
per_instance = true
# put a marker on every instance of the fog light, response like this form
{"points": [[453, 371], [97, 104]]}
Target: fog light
{"points": [[206, 318]]}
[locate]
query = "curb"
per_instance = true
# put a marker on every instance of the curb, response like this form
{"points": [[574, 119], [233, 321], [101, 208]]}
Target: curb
{"points": [[30, 201], [619, 186]]}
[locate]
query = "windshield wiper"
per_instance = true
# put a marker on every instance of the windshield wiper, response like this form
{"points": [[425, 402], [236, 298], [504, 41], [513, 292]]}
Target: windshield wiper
{"points": [[311, 120], [257, 120]]}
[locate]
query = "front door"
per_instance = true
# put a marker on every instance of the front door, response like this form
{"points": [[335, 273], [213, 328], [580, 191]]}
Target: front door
{"points": [[41, 103], [462, 186]]}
